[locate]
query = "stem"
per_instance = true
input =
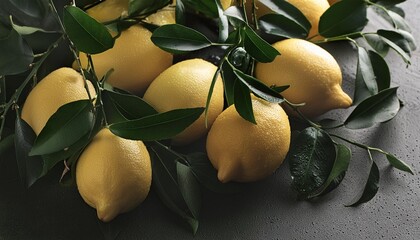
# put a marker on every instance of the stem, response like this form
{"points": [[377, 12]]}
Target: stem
{"points": [[18, 92], [72, 47], [339, 38], [295, 108], [363, 146], [173, 152]]}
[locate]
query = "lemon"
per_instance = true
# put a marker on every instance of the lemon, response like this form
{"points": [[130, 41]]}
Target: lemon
{"points": [[186, 85], [244, 152], [136, 61], [312, 73], [311, 9], [113, 174], [60, 87]]}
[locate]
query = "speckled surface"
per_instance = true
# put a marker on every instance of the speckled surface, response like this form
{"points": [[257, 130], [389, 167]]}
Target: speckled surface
{"points": [[268, 209]]}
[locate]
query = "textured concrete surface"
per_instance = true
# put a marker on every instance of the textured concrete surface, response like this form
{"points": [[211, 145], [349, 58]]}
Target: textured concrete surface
{"points": [[268, 209]]}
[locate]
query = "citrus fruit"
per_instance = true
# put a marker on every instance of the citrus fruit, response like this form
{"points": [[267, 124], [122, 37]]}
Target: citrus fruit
{"points": [[313, 75], [58, 88], [113, 174], [244, 152], [186, 84], [136, 61], [311, 9]]}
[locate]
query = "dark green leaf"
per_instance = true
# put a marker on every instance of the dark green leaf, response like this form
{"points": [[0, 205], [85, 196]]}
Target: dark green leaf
{"points": [[370, 189], [364, 65], [242, 101], [259, 88], [130, 106], [398, 21], [34, 8], [145, 7], [86, 33], [229, 79], [210, 93], [180, 12], [65, 127], [258, 48], [16, 55], [344, 17], [189, 188], [409, 38], [341, 164], [282, 26], [399, 164], [236, 16], [381, 71], [158, 126], [29, 167], [165, 183], [376, 42], [289, 11], [378, 108], [207, 7], [398, 49], [207, 175], [177, 38], [396, 38], [311, 160], [27, 30], [3, 96]]}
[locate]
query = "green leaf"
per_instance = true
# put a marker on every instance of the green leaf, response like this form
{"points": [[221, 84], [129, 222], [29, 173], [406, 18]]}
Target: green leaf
{"points": [[409, 38], [289, 11], [396, 38], [376, 42], [189, 188], [229, 79], [399, 164], [339, 169], [27, 30], [158, 126], [65, 127], [311, 160], [364, 65], [86, 33], [370, 188], [130, 106], [16, 55], [34, 8], [207, 175], [282, 26], [398, 50], [180, 12], [242, 101], [29, 167], [258, 48], [206, 7], [259, 88], [378, 108], [3, 95], [165, 183], [344, 17], [381, 70], [210, 93], [135, 6], [398, 21], [235, 16], [177, 39]]}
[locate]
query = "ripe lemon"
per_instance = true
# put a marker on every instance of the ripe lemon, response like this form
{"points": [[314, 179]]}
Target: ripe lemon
{"points": [[186, 85], [312, 73], [311, 9], [135, 59], [60, 87], [244, 152], [113, 174]]}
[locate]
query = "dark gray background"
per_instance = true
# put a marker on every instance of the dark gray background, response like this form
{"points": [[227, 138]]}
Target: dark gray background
{"points": [[268, 209]]}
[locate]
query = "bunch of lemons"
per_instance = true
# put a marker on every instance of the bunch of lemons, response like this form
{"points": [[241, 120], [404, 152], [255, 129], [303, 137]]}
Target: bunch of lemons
{"points": [[113, 174]]}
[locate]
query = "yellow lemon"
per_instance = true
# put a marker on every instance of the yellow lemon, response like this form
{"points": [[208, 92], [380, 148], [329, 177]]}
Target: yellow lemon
{"points": [[186, 85], [58, 88], [311, 9], [312, 73], [113, 174], [244, 152]]}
